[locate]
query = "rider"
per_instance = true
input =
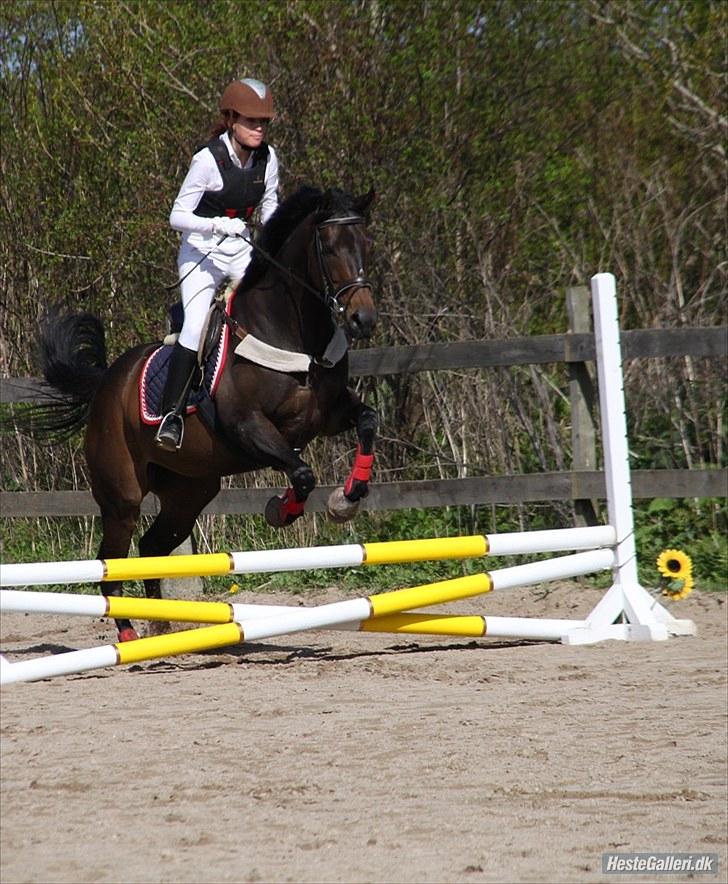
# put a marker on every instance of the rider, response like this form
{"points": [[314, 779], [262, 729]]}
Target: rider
{"points": [[235, 172]]}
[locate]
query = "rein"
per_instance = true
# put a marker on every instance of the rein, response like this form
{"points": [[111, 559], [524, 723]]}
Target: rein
{"points": [[168, 288]]}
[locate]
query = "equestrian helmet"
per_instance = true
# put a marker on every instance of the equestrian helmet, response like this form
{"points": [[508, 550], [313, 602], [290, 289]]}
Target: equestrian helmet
{"points": [[249, 98]]}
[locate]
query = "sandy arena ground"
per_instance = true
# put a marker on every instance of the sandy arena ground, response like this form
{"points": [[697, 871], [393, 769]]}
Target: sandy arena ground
{"points": [[347, 757]]}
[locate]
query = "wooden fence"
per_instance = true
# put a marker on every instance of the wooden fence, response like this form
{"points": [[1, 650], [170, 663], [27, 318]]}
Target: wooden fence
{"points": [[582, 484]]}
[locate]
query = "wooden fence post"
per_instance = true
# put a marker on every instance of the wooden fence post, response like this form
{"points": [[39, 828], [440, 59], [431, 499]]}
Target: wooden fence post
{"points": [[581, 393]]}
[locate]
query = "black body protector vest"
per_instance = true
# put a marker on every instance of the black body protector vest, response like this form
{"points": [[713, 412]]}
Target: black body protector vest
{"points": [[242, 189]]}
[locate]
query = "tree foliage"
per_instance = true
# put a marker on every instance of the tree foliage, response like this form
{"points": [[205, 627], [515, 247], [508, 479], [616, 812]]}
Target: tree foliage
{"points": [[516, 147]]}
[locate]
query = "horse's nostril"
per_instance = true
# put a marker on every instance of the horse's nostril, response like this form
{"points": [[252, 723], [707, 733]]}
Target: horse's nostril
{"points": [[361, 324]]}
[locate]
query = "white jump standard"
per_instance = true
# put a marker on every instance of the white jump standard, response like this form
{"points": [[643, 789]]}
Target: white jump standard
{"points": [[627, 611]]}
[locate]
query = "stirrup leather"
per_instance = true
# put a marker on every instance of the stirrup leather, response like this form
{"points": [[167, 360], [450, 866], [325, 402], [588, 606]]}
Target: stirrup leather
{"points": [[171, 432]]}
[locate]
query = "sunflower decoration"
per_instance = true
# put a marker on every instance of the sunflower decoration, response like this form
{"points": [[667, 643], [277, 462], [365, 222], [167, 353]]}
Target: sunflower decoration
{"points": [[676, 574]]}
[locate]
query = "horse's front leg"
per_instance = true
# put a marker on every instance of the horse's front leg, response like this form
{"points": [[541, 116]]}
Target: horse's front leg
{"points": [[262, 441], [356, 486], [343, 503]]}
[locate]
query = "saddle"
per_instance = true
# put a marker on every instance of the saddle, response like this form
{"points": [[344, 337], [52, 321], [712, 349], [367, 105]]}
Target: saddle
{"points": [[212, 353], [211, 356]]}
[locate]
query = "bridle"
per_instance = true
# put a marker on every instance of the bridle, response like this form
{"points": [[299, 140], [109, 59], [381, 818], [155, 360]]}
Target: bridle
{"points": [[330, 294]]}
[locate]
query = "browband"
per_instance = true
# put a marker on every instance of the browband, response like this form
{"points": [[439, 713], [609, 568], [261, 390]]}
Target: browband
{"points": [[347, 219]]}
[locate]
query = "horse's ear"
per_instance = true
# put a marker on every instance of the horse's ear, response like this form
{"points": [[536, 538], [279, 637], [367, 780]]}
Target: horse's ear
{"points": [[363, 203]]}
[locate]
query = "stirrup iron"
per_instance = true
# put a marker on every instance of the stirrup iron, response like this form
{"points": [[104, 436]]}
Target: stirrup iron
{"points": [[171, 432]]}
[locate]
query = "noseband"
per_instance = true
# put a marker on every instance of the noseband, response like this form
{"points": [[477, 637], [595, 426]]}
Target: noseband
{"points": [[330, 293]]}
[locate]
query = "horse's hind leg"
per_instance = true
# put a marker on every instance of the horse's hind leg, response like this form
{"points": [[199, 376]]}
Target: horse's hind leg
{"points": [[181, 501], [118, 521], [118, 481]]}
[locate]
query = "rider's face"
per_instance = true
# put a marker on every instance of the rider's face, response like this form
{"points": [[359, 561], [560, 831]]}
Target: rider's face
{"points": [[249, 131]]}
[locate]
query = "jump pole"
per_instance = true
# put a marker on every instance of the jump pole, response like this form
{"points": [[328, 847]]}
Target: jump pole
{"points": [[119, 607], [302, 619], [463, 625], [306, 558]]}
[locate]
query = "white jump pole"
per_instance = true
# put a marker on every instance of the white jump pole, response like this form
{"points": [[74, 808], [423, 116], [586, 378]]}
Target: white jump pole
{"points": [[305, 558], [643, 617]]}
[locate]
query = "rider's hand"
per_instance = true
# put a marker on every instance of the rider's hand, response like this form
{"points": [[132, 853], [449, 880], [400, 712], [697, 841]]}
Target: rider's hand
{"points": [[228, 227]]}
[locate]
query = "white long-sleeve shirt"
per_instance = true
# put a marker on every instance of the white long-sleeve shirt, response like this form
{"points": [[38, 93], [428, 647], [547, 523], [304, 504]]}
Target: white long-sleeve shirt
{"points": [[203, 175]]}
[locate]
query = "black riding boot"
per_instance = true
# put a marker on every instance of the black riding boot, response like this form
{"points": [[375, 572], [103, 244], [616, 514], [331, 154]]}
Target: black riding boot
{"points": [[182, 368]]}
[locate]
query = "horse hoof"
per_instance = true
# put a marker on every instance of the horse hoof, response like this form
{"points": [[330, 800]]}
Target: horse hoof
{"points": [[339, 509], [272, 513], [279, 512], [128, 635]]}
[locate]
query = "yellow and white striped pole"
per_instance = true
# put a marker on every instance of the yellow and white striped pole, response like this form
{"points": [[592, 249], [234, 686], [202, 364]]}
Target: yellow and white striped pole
{"points": [[306, 558], [221, 612], [472, 626], [221, 635], [301, 619], [118, 607], [467, 625]]}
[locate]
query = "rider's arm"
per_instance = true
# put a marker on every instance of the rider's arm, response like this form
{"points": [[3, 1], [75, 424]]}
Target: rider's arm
{"points": [[202, 175], [269, 202]]}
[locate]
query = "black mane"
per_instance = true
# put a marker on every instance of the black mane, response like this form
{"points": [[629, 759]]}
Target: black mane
{"points": [[286, 218]]}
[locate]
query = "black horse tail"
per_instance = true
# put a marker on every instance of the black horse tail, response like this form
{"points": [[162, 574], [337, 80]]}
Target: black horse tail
{"points": [[72, 351]]}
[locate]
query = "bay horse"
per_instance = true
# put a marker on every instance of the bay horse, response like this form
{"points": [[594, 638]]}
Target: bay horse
{"points": [[306, 280]]}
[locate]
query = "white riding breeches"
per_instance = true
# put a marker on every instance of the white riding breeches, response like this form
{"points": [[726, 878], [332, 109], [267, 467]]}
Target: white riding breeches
{"points": [[199, 287]]}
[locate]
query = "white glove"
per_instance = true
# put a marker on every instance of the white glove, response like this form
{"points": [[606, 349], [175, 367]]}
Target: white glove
{"points": [[228, 227]]}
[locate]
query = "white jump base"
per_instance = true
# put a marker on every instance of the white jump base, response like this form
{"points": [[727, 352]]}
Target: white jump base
{"points": [[627, 612]]}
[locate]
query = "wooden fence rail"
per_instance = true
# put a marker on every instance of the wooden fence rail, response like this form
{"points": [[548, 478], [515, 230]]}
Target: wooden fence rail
{"points": [[474, 490], [583, 484], [706, 343]]}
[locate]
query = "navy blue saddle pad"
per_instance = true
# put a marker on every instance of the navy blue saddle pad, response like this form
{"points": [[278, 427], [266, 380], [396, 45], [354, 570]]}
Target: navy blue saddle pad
{"points": [[154, 376]]}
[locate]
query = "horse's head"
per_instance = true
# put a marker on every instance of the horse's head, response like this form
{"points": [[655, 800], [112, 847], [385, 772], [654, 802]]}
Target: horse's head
{"points": [[342, 247]]}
